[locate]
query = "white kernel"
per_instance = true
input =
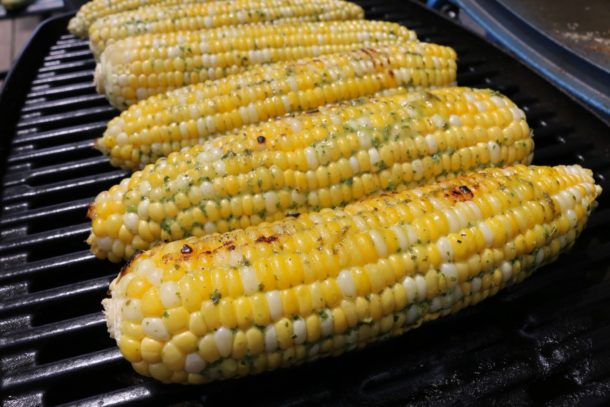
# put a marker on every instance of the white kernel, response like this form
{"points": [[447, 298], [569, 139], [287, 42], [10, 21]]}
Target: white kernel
{"points": [[475, 285], [131, 310], [409, 284], [360, 223], [155, 329], [412, 314], [374, 156], [312, 159], [207, 190], [420, 282], [411, 234], [270, 339], [449, 271], [219, 167], [418, 169], [365, 121], [487, 234], [275, 304], [326, 324], [353, 161], [438, 121], [131, 222], [168, 292], [431, 142], [452, 220], [346, 283], [498, 101], [481, 107], [507, 271], [380, 245], [173, 52], [572, 217], [517, 113], [300, 332], [445, 248], [295, 124], [122, 139], [494, 151], [223, 337], [209, 227], [435, 304], [403, 242], [210, 124], [271, 201], [249, 280], [364, 139], [194, 363], [454, 120]]}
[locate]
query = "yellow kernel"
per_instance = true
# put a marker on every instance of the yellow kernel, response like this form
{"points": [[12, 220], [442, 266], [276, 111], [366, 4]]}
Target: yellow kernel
{"points": [[227, 313], [256, 341], [172, 357], [196, 324], [207, 349], [160, 372], [151, 303], [228, 367], [283, 331], [339, 321], [132, 330], [130, 348], [240, 345], [210, 315], [313, 328], [176, 319], [141, 367], [186, 342], [151, 350]]}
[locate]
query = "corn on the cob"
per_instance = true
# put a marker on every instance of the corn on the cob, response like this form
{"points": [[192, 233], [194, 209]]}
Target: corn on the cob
{"points": [[306, 162], [213, 107], [139, 67], [296, 290], [92, 10], [194, 17]]}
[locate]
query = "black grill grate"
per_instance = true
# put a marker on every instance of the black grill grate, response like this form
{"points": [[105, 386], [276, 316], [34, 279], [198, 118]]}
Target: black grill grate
{"points": [[543, 341]]}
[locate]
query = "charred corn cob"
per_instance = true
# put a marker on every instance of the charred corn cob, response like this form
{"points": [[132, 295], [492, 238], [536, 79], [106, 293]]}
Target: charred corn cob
{"points": [[139, 67], [143, 133], [193, 17], [92, 10], [308, 161], [281, 294]]}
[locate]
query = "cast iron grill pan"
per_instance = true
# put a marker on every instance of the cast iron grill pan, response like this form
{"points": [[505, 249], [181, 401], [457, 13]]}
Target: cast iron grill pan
{"points": [[544, 341]]}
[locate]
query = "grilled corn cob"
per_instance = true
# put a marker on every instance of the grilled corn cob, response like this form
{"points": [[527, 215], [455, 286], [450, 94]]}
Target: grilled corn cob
{"points": [[138, 67], [280, 294], [193, 17], [92, 10], [308, 161], [143, 133]]}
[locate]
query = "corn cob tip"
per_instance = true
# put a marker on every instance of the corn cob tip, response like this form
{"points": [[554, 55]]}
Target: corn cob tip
{"points": [[77, 27]]}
